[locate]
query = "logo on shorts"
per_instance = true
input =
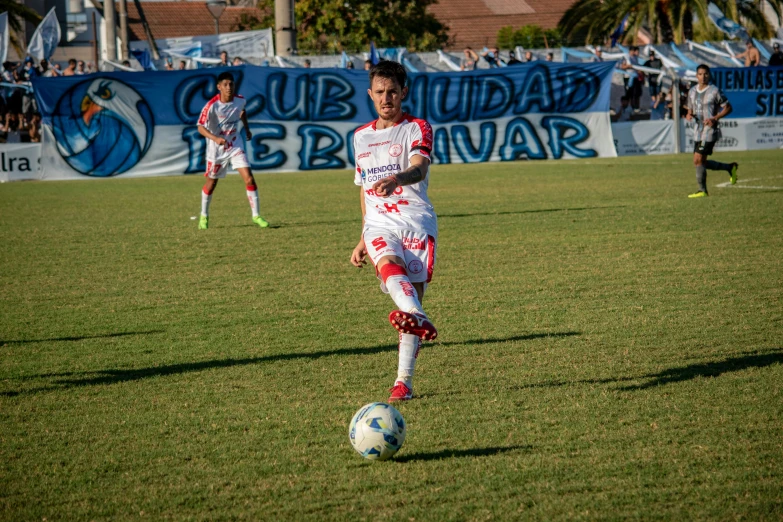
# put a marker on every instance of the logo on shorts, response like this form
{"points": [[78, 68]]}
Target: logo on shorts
{"points": [[395, 150], [415, 266]]}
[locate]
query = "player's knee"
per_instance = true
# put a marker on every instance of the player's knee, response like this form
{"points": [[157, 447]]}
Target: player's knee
{"points": [[697, 160]]}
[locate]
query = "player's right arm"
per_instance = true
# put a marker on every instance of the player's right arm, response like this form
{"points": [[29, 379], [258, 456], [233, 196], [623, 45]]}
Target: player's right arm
{"points": [[203, 119], [208, 135], [358, 257]]}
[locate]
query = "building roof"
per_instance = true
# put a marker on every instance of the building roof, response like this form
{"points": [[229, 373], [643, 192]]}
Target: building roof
{"points": [[179, 19], [476, 22]]}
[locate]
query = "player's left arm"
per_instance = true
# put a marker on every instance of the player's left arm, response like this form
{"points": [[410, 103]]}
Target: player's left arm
{"points": [[725, 111], [410, 176], [243, 117]]}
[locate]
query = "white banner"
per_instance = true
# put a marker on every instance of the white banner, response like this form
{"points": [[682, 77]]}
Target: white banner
{"points": [[734, 135], [644, 137], [245, 44], [19, 161], [46, 37], [4, 36]]}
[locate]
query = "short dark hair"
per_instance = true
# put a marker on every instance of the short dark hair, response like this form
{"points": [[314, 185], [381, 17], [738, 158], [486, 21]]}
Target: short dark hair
{"points": [[71, 62], [225, 76], [704, 67], [390, 70]]}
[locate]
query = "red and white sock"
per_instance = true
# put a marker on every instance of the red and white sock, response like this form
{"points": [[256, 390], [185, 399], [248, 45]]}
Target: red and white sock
{"points": [[409, 349], [206, 199], [400, 288], [252, 197]]}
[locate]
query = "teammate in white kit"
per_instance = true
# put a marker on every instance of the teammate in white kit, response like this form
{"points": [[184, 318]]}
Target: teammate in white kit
{"points": [[399, 228], [219, 124]]}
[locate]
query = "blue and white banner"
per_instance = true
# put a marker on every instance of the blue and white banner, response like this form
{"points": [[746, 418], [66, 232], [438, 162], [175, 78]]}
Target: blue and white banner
{"points": [[727, 25], [245, 44], [754, 92], [144, 124], [46, 37]]}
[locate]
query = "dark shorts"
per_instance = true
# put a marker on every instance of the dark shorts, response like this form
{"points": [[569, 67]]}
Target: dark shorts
{"points": [[703, 147]]}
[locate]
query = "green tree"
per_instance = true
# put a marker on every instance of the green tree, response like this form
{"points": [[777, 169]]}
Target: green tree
{"points": [[506, 38], [592, 21], [331, 26], [17, 15]]}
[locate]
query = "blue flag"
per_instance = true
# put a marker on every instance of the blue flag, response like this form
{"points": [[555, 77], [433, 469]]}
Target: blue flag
{"points": [[143, 57], [373, 54], [618, 33]]}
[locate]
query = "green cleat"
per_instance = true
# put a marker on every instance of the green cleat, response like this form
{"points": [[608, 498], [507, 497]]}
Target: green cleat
{"points": [[203, 222], [700, 194], [261, 222], [733, 173]]}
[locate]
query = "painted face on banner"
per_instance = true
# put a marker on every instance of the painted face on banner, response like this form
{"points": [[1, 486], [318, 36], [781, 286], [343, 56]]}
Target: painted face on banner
{"points": [[387, 96]]}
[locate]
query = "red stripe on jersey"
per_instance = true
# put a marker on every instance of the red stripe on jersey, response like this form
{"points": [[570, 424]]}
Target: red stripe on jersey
{"points": [[426, 132], [430, 257], [202, 120], [390, 269], [371, 124]]}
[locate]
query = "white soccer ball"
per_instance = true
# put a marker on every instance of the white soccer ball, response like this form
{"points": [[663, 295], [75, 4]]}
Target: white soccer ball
{"points": [[377, 431]]}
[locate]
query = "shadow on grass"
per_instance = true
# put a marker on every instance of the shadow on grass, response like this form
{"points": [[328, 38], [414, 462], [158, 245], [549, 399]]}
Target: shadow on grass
{"points": [[450, 454], [709, 369], [114, 376], [513, 212], [80, 338], [681, 373]]}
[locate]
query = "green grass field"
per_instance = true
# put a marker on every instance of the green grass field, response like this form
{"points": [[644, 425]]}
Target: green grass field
{"points": [[609, 349]]}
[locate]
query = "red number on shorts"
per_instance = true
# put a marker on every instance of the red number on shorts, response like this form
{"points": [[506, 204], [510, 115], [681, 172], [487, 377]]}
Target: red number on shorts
{"points": [[391, 207]]}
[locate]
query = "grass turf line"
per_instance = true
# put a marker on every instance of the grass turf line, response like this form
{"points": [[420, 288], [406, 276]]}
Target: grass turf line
{"points": [[608, 348]]}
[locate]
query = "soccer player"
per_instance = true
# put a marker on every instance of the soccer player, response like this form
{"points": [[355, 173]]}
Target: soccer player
{"points": [[706, 105], [399, 226], [219, 123]]}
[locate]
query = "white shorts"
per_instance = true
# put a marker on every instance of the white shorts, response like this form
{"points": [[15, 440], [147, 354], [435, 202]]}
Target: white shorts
{"points": [[217, 169], [415, 247]]}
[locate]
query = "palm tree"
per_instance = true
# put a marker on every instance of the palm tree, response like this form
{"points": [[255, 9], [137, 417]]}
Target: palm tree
{"points": [[666, 20], [17, 15]]}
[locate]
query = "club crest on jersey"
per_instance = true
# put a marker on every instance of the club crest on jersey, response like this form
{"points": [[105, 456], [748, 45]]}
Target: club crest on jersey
{"points": [[395, 150]]}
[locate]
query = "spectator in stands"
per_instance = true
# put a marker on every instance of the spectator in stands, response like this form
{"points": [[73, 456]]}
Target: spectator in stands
{"points": [[57, 70], [652, 79], [777, 57], [35, 128], [80, 68], [183, 65], [307, 63], [349, 65], [529, 57], [169, 65], [550, 57], [751, 54], [29, 104], [12, 128], [469, 60], [223, 59], [28, 70], [237, 61], [512, 59], [633, 89], [491, 56], [367, 65], [45, 71], [90, 67], [625, 112], [71, 69], [125, 63], [658, 109], [598, 55]]}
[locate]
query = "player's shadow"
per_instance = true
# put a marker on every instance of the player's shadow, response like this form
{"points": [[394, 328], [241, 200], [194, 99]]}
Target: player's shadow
{"points": [[115, 376], [450, 454], [78, 338], [680, 373], [532, 211]]}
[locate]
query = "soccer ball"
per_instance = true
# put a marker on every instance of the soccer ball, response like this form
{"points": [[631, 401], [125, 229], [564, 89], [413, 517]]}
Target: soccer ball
{"points": [[377, 431]]}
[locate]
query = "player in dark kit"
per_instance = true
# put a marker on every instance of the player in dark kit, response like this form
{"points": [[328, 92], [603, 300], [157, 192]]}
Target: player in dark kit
{"points": [[706, 105]]}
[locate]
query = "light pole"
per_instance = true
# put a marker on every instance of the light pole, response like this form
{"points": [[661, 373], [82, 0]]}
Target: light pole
{"points": [[216, 8]]}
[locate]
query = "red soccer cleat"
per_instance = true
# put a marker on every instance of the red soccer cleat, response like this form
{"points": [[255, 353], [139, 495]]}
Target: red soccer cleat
{"points": [[400, 392], [413, 324]]}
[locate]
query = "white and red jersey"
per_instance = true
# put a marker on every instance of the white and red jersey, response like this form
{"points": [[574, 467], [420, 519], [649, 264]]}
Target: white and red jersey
{"points": [[222, 119], [381, 153]]}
